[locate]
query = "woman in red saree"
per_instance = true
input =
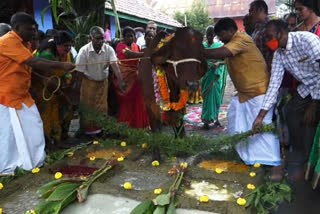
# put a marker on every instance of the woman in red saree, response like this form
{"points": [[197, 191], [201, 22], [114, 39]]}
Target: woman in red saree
{"points": [[131, 108]]}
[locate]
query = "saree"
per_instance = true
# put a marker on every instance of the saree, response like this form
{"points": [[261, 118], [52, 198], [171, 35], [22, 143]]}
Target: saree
{"points": [[212, 88], [57, 112], [131, 107]]}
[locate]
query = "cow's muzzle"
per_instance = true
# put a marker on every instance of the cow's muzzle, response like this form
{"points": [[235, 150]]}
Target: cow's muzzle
{"points": [[192, 85]]}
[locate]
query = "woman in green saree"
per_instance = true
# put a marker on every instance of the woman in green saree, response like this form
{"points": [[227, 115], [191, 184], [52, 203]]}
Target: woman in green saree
{"points": [[212, 84]]}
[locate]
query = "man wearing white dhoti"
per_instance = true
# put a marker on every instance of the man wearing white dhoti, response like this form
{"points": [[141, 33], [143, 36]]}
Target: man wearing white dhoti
{"points": [[21, 132], [249, 74]]}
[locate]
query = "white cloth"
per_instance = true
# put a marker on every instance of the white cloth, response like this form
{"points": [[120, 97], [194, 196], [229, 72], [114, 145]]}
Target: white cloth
{"points": [[21, 138], [261, 148], [301, 58], [96, 72], [141, 41]]}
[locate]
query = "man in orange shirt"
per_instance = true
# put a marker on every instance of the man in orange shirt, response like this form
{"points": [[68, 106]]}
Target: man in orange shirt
{"points": [[21, 130]]}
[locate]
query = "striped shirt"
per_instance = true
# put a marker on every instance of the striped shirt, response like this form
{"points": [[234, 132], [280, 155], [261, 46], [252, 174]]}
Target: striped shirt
{"points": [[301, 58]]}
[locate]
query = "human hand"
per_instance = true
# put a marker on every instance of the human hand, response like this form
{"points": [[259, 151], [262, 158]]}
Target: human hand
{"points": [[310, 113], [67, 66], [258, 121]]}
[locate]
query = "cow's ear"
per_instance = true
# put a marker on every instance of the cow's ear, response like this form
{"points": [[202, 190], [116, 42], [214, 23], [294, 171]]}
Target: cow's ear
{"points": [[160, 56]]}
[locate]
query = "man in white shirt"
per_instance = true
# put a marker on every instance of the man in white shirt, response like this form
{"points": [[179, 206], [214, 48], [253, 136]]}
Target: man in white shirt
{"points": [[151, 26], [94, 86], [299, 54]]}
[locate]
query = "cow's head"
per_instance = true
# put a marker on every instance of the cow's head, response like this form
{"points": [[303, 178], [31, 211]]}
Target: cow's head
{"points": [[185, 44]]}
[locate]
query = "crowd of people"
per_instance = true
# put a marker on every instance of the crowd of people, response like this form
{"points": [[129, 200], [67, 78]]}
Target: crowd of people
{"points": [[269, 61]]}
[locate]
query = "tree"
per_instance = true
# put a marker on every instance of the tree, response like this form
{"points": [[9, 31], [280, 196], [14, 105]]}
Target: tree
{"points": [[197, 17]]}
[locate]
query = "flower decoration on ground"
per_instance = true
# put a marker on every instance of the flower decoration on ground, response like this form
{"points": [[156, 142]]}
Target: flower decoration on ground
{"points": [[252, 174], [184, 164], [58, 175], [241, 201], [119, 159], [204, 198], [95, 142], [0, 210], [83, 177], [144, 145], [157, 191], [173, 159], [1, 186], [127, 185], [256, 165], [123, 144], [155, 163], [92, 158], [218, 170], [31, 212], [35, 170], [251, 186], [70, 154]]}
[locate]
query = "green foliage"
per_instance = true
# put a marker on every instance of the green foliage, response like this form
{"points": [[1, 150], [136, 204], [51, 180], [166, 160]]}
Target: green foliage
{"points": [[266, 197], [197, 16], [17, 173]]}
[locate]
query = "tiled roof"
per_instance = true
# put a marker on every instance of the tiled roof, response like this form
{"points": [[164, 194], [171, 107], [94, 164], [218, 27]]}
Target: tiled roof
{"points": [[234, 8], [142, 10]]}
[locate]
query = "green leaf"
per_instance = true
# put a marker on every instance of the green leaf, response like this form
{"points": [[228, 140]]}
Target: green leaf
{"points": [[171, 208], [48, 207], [54, 11], [250, 200], [63, 191], [160, 210], [68, 200], [163, 199], [257, 200], [42, 14], [48, 188], [284, 187], [142, 208]]}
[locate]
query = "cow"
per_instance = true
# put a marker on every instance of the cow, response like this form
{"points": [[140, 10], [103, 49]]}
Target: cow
{"points": [[184, 64]]}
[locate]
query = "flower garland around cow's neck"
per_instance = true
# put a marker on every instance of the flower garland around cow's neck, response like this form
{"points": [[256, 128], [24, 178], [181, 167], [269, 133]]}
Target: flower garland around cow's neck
{"points": [[162, 91]]}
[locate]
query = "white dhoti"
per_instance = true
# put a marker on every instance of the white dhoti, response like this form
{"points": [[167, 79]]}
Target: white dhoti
{"points": [[21, 138], [261, 148]]}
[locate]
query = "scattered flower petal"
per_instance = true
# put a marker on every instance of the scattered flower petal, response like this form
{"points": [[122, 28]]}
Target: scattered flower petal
{"points": [[0, 210], [58, 175], [241, 201], [252, 174], [256, 165], [95, 142], [155, 163], [157, 191], [127, 185], [218, 170], [1, 186], [92, 158], [83, 177], [251, 186], [123, 144], [120, 159], [144, 145], [35, 170], [70, 154], [30, 212], [184, 165], [204, 198]]}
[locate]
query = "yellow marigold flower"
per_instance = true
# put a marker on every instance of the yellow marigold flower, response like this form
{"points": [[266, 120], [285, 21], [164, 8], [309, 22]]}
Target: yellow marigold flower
{"points": [[184, 164], [155, 163], [83, 177], [92, 158], [204, 198], [30, 212], [127, 185], [95, 142], [35, 170], [1, 186], [173, 158], [123, 144], [218, 170], [120, 159], [144, 145], [241, 201], [0, 210], [252, 174], [251, 186], [58, 175], [70, 154], [157, 191], [256, 165]]}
